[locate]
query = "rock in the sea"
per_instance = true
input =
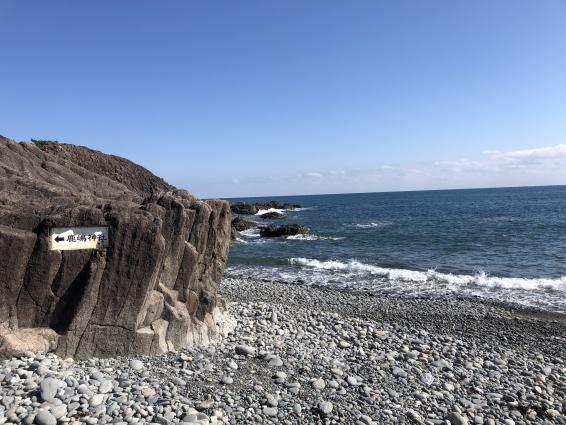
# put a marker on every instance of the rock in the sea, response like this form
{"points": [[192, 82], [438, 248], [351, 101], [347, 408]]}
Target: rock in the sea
{"points": [[273, 215], [243, 208], [246, 208], [283, 230], [277, 205], [153, 289], [241, 224]]}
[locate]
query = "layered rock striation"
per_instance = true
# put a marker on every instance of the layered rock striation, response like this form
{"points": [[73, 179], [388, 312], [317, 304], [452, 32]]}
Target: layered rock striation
{"points": [[153, 289]]}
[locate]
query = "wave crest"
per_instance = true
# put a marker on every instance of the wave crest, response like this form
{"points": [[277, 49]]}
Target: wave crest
{"points": [[270, 210], [480, 279], [311, 237], [250, 233], [371, 225]]}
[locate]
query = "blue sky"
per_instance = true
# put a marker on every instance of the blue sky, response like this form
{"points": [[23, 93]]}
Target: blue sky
{"points": [[230, 98]]}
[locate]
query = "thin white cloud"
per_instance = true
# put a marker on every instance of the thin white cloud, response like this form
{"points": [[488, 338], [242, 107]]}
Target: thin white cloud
{"points": [[546, 152], [528, 167]]}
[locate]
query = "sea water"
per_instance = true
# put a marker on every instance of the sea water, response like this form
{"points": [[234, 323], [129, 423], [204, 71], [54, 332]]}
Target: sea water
{"points": [[506, 245]]}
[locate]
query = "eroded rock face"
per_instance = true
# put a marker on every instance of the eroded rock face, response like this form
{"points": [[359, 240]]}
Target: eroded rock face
{"points": [[153, 289]]}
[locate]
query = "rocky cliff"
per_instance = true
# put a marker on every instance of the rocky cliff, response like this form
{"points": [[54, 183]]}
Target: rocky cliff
{"points": [[153, 289]]}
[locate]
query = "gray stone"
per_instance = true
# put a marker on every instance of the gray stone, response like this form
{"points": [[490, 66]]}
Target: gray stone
{"points": [[43, 417], [105, 387], [397, 371], [427, 378], [319, 384], [59, 411], [96, 400], [136, 365], [245, 350], [271, 400], [275, 362], [325, 407], [178, 381], [269, 411], [352, 380], [456, 418], [49, 388]]}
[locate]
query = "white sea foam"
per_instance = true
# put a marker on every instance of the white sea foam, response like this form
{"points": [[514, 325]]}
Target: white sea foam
{"points": [[543, 293], [371, 225], [453, 280], [311, 237], [270, 210], [250, 233]]}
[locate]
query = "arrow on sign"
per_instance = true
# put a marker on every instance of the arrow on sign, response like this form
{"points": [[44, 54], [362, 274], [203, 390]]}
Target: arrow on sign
{"points": [[59, 239]]}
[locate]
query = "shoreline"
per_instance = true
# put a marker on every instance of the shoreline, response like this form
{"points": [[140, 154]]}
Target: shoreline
{"points": [[527, 312], [306, 355], [454, 315]]}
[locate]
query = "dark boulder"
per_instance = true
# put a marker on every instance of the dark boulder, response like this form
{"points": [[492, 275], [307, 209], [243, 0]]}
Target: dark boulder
{"points": [[244, 208], [153, 289], [273, 215], [277, 205], [241, 224], [283, 230]]}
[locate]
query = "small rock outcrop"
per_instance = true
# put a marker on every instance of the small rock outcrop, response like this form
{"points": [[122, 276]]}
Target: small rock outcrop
{"points": [[153, 289], [273, 215], [246, 208], [283, 230], [278, 205], [241, 224]]}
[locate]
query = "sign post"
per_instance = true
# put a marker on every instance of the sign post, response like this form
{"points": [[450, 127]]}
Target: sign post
{"points": [[73, 238]]}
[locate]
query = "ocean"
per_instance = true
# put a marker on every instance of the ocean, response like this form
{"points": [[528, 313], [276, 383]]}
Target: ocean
{"points": [[506, 245]]}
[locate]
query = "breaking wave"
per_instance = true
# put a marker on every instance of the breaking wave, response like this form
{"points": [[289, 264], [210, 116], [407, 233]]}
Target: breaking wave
{"points": [[250, 233], [312, 237], [371, 225], [270, 210], [479, 279], [541, 293]]}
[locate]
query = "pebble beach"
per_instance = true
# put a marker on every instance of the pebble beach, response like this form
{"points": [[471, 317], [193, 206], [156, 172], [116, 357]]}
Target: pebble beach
{"points": [[302, 354]]}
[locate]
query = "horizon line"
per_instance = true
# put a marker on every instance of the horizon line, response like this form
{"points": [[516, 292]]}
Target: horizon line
{"points": [[390, 191]]}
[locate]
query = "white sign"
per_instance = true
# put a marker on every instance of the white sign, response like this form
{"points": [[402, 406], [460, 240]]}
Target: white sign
{"points": [[71, 238]]}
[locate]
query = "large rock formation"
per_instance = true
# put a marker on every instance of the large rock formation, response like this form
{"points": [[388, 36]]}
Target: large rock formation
{"points": [[153, 289]]}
